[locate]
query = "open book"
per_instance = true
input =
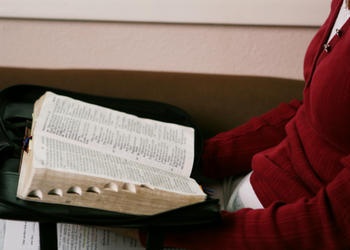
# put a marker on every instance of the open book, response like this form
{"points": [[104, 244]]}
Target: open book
{"points": [[82, 154]]}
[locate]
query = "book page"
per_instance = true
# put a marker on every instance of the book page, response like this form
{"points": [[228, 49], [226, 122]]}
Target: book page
{"points": [[72, 237], [77, 137], [24, 235], [163, 145], [19, 235], [70, 157]]}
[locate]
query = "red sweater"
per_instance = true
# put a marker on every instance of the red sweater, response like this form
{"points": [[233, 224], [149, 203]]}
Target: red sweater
{"points": [[300, 154]]}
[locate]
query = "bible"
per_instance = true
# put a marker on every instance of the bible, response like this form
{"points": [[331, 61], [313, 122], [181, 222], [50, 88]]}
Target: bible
{"points": [[81, 154]]}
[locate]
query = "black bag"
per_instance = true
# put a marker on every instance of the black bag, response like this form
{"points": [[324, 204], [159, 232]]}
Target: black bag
{"points": [[16, 106]]}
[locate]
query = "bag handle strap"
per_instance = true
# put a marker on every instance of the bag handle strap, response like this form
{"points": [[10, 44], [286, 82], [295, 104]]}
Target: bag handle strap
{"points": [[48, 236], [155, 239]]}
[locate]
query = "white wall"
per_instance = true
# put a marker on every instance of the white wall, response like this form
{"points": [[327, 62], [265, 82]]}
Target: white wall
{"points": [[219, 49], [252, 12]]}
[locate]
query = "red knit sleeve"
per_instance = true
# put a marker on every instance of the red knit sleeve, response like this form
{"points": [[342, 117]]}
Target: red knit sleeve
{"points": [[321, 222], [230, 152]]}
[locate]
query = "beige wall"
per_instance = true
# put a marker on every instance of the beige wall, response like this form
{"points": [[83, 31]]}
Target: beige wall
{"points": [[218, 49]]}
